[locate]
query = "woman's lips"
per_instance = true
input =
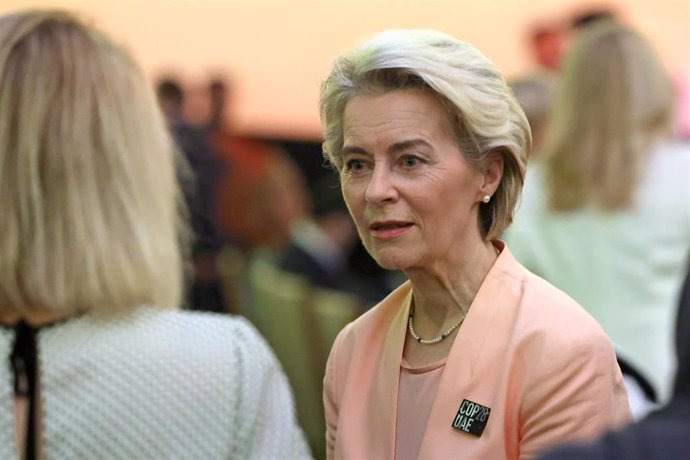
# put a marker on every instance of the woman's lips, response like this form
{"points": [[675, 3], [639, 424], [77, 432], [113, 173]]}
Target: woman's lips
{"points": [[386, 230]]}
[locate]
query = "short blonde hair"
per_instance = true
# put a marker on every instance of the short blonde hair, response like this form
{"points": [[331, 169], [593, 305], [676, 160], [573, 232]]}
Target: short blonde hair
{"points": [[615, 100], [91, 211], [483, 115]]}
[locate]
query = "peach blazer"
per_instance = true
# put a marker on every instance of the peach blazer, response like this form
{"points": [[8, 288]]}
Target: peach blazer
{"points": [[526, 351]]}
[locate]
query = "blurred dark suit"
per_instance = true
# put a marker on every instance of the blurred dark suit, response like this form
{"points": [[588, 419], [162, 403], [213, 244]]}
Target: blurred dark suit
{"points": [[295, 259], [319, 245], [204, 292]]}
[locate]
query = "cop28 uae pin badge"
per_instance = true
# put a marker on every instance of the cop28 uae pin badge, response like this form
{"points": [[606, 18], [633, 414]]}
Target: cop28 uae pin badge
{"points": [[471, 418]]}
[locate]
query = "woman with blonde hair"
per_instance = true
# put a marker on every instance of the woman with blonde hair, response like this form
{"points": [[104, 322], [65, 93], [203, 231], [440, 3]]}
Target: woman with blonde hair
{"points": [[473, 357], [98, 363], [606, 217]]}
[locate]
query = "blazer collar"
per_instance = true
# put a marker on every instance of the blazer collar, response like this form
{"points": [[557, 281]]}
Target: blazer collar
{"points": [[483, 334], [468, 373]]}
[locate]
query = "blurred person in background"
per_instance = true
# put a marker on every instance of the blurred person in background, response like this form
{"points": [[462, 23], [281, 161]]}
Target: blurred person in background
{"points": [[98, 361], [473, 356], [586, 17], [276, 198], [606, 214], [321, 242], [547, 42], [662, 435], [263, 191], [535, 94], [204, 292], [683, 119]]}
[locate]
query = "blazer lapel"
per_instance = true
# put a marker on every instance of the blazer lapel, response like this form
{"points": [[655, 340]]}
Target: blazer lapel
{"points": [[388, 380], [473, 367], [374, 388]]}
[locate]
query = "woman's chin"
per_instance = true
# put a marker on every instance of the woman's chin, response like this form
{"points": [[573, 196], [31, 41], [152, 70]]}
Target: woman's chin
{"points": [[392, 261]]}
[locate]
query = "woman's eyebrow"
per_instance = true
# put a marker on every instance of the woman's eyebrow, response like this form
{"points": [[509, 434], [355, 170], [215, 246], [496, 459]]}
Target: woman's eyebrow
{"points": [[406, 145], [350, 149], [393, 148]]}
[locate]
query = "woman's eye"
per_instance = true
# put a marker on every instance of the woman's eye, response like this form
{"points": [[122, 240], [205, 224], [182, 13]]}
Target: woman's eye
{"points": [[410, 161], [354, 164]]}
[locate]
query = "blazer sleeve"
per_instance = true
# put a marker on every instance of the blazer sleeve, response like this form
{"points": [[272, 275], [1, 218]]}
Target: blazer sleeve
{"points": [[330, 394], [576, 394]]}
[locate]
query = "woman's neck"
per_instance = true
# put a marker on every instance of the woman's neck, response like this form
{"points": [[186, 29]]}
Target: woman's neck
{"points": [[441, 299], [446, 291]]}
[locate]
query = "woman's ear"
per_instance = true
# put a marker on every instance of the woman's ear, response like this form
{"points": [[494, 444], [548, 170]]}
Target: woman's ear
{"points": [[492, 172]]}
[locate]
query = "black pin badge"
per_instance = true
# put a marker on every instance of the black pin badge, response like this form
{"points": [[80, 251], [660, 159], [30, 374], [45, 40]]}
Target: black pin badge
{"points": [[471, 418]]}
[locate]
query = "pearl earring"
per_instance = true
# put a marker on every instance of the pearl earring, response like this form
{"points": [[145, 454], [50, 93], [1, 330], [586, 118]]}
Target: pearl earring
{"points": [[486, 198]]}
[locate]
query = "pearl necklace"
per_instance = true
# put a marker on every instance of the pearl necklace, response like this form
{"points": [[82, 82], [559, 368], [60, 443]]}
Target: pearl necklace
{"points": [[441, 337], [438, 339]]}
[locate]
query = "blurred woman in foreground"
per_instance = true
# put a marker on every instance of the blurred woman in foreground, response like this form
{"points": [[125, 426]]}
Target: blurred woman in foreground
{"points": [[91, 272]]}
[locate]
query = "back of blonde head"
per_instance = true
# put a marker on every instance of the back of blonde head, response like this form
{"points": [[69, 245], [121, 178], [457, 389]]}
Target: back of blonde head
{"points": [[616, 100], [90, 213]]}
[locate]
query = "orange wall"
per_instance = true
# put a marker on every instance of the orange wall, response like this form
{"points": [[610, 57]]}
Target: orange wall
{"points": [[279, 50]]}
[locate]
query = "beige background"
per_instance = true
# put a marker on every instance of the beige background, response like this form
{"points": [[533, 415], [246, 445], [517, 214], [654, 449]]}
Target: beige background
{"points": [[278, 51]]}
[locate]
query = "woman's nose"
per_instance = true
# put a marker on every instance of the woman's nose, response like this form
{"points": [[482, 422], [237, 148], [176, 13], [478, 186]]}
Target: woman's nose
{"points": [[381, 187]]}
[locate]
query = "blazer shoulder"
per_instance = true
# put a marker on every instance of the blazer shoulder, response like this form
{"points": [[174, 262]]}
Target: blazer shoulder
{"points": [[547, 312]]}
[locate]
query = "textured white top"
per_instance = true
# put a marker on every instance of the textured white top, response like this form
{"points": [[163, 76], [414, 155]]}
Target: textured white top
{"points": [[625, 268], [157, 384]]}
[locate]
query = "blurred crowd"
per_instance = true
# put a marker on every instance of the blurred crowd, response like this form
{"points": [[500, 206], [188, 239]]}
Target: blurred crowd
{"points": [[249, 194]]}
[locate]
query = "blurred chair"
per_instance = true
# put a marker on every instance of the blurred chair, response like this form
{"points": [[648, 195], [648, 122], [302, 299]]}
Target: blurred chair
{"points": [[329, 311], [232, 271], [300, 322]]}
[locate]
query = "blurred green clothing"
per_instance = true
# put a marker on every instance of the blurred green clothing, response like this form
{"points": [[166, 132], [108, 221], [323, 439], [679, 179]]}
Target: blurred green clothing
{"points": [[624, 267]]}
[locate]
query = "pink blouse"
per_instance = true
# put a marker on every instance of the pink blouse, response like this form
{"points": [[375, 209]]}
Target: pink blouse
{"points": [[416, 396]]}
